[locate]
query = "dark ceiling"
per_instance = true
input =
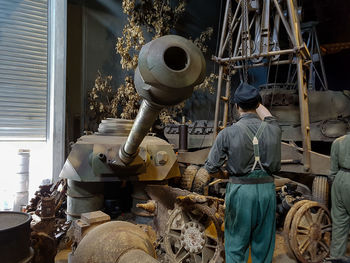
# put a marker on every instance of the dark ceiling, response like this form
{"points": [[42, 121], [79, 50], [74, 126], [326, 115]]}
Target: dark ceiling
{"points": [[333, 17]]}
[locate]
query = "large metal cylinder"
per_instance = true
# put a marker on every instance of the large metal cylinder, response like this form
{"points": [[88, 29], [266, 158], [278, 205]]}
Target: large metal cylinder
{"points": [[21, 180], [110, 241], [83, 197], [15, 237], [183, 138], [169, 68]]}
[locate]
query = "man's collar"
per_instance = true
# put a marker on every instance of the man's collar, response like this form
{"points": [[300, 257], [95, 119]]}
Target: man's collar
{"points": [[248, 116]]}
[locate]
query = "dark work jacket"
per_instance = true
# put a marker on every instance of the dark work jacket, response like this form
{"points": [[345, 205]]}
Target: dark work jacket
{"points": [[233, 144]]}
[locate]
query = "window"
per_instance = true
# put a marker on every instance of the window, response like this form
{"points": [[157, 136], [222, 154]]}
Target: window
{"points": [[23, 69], [32, 86]]}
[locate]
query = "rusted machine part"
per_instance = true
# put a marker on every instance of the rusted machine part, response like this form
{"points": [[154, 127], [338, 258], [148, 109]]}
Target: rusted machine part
{"points": [[183, 137], [44, 218], [194, 230], [88, 222], [165, 196], [193, 234], [139, 197], [15, 237], [44, 247], [150, 206], [201, 180], [136, 256], [110, 241], [168, 69], [47, 207], [307, 231], [188, 176], [288, 223], [320, 190], [83, 197]]}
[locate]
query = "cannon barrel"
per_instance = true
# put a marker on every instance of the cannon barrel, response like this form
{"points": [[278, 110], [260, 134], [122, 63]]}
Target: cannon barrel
{"points": [[168, 69]]}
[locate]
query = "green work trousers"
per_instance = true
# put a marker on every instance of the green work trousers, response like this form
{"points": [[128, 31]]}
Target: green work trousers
{"points": [[250, 221], [340, 213]]}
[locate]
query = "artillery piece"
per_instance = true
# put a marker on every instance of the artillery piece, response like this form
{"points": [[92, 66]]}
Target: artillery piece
{"points": [[169, 68]]}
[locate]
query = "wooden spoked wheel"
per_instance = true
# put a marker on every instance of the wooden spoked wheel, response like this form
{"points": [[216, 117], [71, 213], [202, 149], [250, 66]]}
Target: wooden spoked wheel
{"points": [[310, 233], [288, 224]]}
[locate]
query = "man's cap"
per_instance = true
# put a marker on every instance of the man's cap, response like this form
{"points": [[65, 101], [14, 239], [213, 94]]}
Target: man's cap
{"points": [[247, 95]]}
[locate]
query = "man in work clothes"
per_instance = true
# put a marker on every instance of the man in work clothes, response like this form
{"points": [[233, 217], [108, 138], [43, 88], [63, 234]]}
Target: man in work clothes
{"points": [[340, 168], [252, 148]]}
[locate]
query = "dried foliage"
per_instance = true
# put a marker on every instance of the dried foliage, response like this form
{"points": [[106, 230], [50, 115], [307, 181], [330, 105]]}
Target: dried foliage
{"points": [[105, 102], [100, 98], [200, 42], [128, 99], [127, 45], [207, 84], [158, 17], [168, 115]]}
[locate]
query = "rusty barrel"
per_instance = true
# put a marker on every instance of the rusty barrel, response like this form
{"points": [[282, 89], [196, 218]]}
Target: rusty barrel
{"points": [[14, 236], [83, 197]]}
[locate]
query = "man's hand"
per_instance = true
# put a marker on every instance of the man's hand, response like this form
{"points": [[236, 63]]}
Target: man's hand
{"points": [[263, 112]]}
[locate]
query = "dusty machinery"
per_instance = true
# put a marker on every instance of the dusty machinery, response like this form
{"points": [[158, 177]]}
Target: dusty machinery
{"points": [[269, 34], [192, 229], [168, 69]]}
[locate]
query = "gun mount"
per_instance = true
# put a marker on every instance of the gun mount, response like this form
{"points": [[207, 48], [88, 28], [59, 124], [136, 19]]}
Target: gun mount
{"points": [[169, 68]]}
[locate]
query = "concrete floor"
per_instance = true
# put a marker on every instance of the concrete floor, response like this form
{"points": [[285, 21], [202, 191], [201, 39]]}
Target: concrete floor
{"points": [[281, 251], [281, 254]]}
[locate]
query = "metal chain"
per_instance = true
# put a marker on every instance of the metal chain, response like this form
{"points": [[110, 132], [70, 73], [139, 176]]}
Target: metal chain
{"points": [[245, 38]]}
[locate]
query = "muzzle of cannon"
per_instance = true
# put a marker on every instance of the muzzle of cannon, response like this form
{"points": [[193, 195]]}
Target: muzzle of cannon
{"points": [[169, 67]]}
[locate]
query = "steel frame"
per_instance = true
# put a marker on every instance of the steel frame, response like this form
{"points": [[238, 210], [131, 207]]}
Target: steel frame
{"points": [[242, 53]]}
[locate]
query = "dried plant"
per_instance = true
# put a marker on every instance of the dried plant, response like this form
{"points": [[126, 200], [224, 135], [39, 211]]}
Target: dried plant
{"points": [[169, 114], [128, 99], [158, 17], [200, 42], [207, 84], [100, 98], [127, 45]]}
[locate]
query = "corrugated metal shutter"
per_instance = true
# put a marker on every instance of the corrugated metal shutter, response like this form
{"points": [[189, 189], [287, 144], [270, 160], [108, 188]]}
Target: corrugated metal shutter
{"points": [[23, 69]]}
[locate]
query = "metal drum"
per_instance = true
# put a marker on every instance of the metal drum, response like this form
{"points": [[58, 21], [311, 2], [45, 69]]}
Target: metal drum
{"points": [[21, 180], [15, 237], [83, 197]]}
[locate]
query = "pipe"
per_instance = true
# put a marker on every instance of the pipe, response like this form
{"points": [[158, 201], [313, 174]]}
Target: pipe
{"points": [[183, 137], [267, 54], [148, 114], [169, 67]]}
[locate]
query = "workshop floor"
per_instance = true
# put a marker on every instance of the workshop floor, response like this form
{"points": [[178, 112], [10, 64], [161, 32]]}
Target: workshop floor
{"points": [[280, 254], [281, 251]]}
